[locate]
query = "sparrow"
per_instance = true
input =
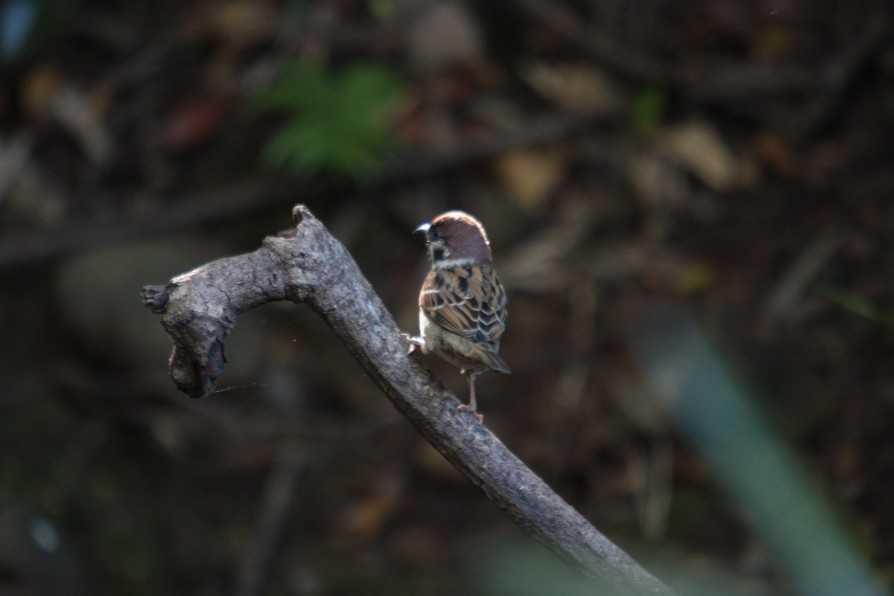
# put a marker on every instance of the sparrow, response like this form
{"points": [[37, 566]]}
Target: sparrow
{"points": [[462, 304]]}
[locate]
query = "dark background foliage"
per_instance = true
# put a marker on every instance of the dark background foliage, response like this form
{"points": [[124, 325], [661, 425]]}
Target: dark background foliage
{"points": [[729, 157]]}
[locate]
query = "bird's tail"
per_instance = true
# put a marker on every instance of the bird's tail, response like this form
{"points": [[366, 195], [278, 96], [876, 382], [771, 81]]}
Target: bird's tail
{"points": [[495, 363]]}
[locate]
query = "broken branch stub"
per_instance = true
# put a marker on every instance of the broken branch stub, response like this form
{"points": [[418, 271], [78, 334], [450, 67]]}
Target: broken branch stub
{"points": [[307, 264]]}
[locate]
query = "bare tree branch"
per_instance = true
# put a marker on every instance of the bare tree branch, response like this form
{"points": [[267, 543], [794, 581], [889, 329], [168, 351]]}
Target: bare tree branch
{"points": [[307, 264]]}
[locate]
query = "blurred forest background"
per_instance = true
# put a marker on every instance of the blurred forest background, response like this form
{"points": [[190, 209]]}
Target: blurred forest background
{"points": [[727, 159]]}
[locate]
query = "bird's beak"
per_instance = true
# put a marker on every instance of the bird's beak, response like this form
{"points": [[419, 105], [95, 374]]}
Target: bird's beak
{"points": [[422, 229]]}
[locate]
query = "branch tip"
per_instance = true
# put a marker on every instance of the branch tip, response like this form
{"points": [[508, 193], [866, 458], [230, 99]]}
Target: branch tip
{"points": [[155, 298], [299, 212]]}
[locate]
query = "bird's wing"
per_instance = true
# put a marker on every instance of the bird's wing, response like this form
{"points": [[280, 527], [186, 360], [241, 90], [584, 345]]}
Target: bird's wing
{"points": [[467, 300]]}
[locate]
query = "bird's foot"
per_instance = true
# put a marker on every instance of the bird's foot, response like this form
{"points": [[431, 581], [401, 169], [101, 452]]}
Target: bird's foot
{"points": [[470, 409], [416, 343]]}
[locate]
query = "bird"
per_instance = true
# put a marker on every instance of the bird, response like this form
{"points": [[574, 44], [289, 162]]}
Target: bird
{"points": [[462, 304]]}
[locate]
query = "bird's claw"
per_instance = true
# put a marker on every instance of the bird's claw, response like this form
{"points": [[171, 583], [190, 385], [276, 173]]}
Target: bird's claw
{"points": [[416, 343], [468, 408]]}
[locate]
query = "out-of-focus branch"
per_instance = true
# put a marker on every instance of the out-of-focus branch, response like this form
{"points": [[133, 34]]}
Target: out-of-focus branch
{"points": [[751, 88], [307, 264], [238, 198]]}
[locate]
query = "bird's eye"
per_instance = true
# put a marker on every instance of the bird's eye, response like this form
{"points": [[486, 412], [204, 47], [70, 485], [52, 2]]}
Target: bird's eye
{"points": [[435, 234]]}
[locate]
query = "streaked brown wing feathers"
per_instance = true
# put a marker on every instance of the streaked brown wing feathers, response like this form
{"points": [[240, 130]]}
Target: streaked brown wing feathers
{"points": [[466, 300]]}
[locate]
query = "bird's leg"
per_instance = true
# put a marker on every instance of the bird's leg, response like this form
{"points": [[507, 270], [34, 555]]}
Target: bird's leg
{"points": [[472, 406], [417, 342]]}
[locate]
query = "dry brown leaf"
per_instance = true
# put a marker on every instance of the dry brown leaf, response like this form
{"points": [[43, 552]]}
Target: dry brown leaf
{"points": [[365, 517], [445, 34], [243, 22], [530, 176], [697, 148], [772, 41], [576, 87], [195, 121], [778, 154], [39, 87]]}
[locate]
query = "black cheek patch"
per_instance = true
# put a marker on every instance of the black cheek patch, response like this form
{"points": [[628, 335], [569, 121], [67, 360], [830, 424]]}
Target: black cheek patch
{"points": [[463, 285]]}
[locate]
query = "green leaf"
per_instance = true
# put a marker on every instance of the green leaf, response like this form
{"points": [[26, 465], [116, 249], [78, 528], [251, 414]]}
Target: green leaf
{"points": [[648, 110], [857, 306], [338, 123]]}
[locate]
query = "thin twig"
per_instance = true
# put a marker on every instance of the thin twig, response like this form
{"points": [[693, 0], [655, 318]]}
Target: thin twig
{"points": [[307, 264]]}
